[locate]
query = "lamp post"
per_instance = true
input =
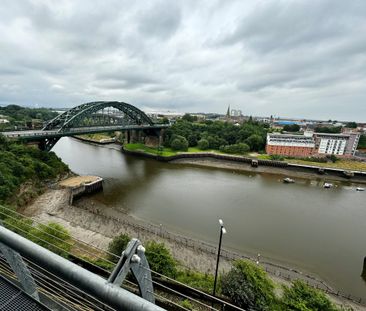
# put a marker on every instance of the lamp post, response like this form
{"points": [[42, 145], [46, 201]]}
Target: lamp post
{"points": [[222, 231]]}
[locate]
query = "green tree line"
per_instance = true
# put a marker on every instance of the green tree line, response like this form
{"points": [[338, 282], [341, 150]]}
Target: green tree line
{"points": [[19, 116], [217, 135]]}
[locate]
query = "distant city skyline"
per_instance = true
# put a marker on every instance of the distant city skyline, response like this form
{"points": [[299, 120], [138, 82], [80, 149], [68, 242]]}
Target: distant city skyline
{"points": [[303, 59]]}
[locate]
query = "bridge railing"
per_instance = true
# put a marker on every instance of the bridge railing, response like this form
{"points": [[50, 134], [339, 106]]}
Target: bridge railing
{"points": [[92, 284], [71, 131]]}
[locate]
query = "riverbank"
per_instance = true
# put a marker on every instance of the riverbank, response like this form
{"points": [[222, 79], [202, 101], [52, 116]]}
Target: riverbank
{"points": [[240, 163], [95, 223], [285, 172]]}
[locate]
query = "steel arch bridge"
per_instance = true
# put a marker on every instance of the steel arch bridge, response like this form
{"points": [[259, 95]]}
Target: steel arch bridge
{"points": [[93, 117], [102, 113]]}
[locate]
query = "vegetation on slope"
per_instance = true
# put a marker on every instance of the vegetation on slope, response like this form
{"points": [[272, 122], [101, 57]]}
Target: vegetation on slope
{"points": [[21, 164]]}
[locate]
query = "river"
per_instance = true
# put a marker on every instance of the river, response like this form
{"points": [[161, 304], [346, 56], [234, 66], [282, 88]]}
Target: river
{"points": [[303, 225]]}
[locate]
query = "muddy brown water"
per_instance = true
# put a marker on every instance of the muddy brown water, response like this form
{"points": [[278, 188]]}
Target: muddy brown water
{"points": [[322, 231]]}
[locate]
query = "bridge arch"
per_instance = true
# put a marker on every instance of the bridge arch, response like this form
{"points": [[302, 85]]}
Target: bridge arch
{"points": [[110, 113]]}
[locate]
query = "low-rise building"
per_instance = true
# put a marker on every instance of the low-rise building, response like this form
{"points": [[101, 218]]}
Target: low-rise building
{"points": [[290, 145], [320, 144], [344, 144]]}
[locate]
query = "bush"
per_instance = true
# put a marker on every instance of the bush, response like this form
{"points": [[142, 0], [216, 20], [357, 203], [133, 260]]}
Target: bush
{"points": [[53, 237], [196, 279], [160, 259], [203, 144], [117, 246], [186, 304], [302, 297], [333, 158], [255, 142], [240, 148], [248, 286], [276, 157], [179, 143]]}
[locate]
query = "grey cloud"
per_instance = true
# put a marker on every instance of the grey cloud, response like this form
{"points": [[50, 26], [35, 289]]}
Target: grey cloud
{"points": [[278, 57], [160, 20]]}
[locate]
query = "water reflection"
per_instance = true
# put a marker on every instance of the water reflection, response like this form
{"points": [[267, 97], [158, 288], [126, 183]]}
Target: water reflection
{"points": [[321, 230]]}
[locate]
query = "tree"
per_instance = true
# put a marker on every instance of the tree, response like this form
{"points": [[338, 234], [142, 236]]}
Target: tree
{"points": [[351, 125], [248, 286], [189, 118], [179, 143], [203, 144], [362, 142], [117, 246], [255, 142], [240, 148], [301, 297], [53, 237], [327, 129], [291, 128], [192, 140], [160, 259]]}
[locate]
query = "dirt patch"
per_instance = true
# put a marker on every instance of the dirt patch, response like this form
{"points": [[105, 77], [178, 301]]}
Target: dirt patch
{"points": [[77, 181]]}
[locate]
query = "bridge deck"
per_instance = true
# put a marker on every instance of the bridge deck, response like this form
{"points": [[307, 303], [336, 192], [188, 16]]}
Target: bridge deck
{"points": [[40, 134]]}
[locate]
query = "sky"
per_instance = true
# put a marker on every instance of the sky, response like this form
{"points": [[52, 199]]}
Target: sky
{"points": [[287, 58]]}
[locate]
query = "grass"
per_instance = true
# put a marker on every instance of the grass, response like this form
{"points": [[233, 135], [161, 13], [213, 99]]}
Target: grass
{"points": [[165, 152], [96, 137], [340, 164]]}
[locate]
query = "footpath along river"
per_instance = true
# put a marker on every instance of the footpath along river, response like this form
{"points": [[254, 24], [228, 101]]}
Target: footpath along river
{"points": [[302, 225]]}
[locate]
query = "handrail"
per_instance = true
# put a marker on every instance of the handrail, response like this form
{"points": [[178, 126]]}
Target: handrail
{"points": [[89, 282]]}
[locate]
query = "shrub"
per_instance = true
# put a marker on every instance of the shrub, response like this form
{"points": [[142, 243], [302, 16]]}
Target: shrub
{"points": [[160, 259], [304, 298], [240, 148], [186, 304], [179, 143], [203, 144], [53, 237], [196, 279], [117, 246], [276, 157], [248, 286]]}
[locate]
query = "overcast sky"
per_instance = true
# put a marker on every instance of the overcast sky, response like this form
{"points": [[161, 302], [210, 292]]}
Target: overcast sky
{"points": [[286, 58]]}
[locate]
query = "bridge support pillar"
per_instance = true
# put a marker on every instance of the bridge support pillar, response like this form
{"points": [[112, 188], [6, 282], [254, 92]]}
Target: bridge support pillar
{"points": [[161, 137]]}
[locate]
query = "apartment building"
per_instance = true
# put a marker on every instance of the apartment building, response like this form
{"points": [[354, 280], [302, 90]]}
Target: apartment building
{"points": [[321, 144], [290, 145]]}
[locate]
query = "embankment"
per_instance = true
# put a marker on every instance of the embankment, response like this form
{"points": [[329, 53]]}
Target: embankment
{"points": [[95, 223], [231, 162]]}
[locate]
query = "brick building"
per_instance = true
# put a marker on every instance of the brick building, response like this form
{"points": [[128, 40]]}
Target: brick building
{"points": [[320, 144], [290, 145]]}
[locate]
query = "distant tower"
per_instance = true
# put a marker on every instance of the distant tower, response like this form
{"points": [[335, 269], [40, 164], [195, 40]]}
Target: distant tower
{"points": [[228, 113]]}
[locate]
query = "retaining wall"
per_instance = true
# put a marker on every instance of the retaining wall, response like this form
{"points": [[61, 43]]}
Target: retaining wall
{"points": [[347, 174]]}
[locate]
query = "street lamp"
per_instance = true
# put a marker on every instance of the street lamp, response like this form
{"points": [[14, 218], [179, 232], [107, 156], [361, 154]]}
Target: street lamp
{"points": [[222, 231]]}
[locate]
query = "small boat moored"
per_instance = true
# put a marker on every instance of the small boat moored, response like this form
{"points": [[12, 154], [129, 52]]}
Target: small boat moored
{"points": [[327, 185], [288, 180], [360, 189]]}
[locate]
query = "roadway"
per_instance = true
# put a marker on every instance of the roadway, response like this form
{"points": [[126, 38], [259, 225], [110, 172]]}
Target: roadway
{"points": [[39, 134]]}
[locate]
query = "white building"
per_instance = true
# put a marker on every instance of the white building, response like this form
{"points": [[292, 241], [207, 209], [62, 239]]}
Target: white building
{"points": [[337, 144]]}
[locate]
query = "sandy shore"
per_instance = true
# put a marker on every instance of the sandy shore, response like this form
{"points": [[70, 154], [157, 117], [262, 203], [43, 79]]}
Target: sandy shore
{"points": [[97, 224]]}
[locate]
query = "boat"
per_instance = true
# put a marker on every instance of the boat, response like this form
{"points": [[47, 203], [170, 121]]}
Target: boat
{"points": [[288, 180], [327, 185], [360, 189]]}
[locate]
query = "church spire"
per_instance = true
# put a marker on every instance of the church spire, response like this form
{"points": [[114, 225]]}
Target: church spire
{"points": [[228, 112]]}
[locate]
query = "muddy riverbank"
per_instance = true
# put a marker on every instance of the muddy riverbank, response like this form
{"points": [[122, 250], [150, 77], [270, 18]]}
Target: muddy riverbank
{"points": [[235, 166], [96, 224]]}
